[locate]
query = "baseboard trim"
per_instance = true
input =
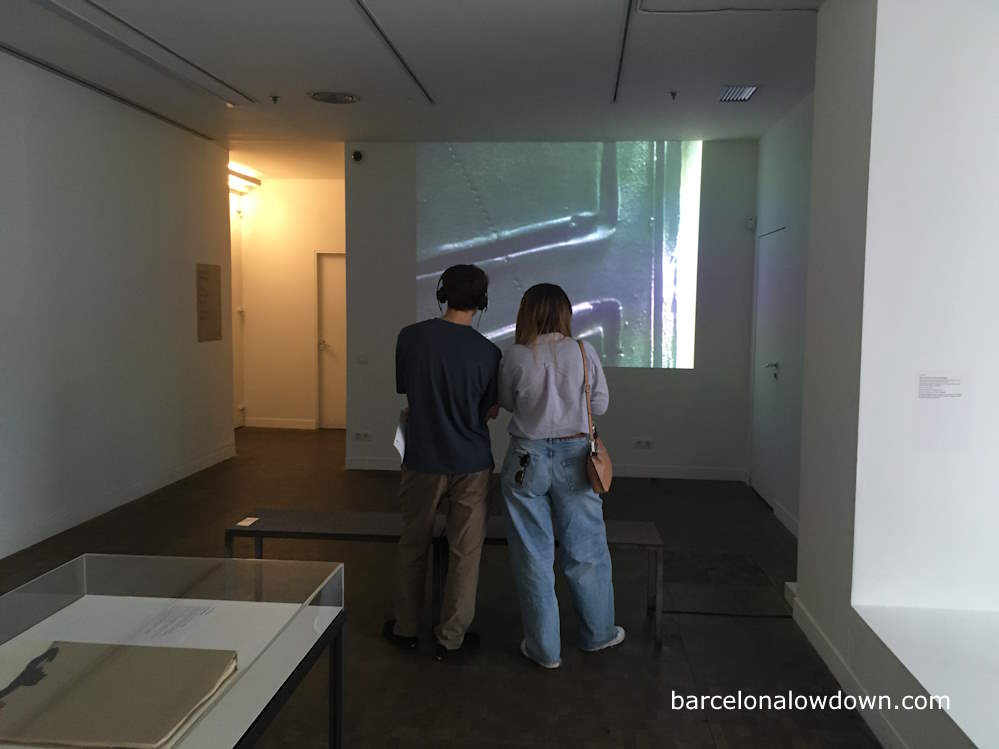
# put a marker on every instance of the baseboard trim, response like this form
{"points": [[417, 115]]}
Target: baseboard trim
{"points": [[127, 494], [372, 464], [702, 473], [200, 463], [876, 720], [267, 422], [791, 592], [788, 520]]}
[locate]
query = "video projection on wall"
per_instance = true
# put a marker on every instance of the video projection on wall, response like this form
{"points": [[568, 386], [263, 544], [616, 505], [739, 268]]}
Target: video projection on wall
{"points": [[614, 224]]}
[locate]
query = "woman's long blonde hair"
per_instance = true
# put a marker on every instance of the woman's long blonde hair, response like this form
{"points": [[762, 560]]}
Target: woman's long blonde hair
{"points": [[545, 308]]}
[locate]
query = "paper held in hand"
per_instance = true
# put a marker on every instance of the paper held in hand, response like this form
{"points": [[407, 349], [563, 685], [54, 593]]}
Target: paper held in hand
{"points": [[400, 435]]}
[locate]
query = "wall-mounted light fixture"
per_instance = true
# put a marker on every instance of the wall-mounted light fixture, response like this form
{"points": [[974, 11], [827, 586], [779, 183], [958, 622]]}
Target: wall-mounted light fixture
{"points": [[242, 179]]}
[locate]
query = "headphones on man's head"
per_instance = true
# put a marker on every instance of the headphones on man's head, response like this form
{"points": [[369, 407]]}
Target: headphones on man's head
{"points": [[442, 293]]}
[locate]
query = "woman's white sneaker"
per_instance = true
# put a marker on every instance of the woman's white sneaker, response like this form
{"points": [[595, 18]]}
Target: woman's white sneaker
{"points": [[617, 640], [523, 651]]}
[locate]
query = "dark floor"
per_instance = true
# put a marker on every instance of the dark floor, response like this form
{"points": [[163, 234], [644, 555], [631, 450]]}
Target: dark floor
{"points": [[726, 563]]}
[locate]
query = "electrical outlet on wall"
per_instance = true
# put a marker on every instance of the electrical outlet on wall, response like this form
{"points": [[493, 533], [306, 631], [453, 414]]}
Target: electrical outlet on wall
{"points": [[362, 436], [643, 444]]}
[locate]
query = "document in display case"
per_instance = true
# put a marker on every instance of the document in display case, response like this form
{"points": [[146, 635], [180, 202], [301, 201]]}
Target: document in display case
{"points": [[85, 694], [150, 652]]}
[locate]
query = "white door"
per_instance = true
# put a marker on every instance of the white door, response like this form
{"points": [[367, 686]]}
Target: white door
{"points": [[332, 341], [779, 345]]}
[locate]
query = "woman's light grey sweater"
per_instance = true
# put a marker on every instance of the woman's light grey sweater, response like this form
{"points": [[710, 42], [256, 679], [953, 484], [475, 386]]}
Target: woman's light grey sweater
{"points": [[542, 385]]}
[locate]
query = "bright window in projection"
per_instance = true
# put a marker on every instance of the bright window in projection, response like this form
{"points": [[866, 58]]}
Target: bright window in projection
{"points": [[614, 224]]}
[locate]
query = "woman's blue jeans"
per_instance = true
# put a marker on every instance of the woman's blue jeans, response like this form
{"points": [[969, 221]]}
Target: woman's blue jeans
{"points": [[546, 494]]}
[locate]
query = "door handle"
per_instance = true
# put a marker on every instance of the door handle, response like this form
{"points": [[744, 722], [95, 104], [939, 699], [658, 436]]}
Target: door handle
{"points": [[323, 345], [775, 366]]}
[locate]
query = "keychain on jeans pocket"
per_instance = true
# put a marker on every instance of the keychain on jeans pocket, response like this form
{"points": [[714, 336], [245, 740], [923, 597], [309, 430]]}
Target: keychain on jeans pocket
{"points": [[519, 476]]}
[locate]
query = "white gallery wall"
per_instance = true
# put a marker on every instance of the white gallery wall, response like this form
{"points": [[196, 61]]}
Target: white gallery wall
{"points": [[841, 149], [105, 392], [927, 490], [697, 420], [925, 553], [296, 212], [783, 204]]}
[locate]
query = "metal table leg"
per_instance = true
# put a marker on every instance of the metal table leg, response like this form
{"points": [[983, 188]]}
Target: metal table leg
{"points": [[650, 581], [659, 598], [336, 692], [331, 641], [258, 546]]}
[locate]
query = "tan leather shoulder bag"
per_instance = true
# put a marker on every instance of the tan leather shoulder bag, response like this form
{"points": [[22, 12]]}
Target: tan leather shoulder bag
{"points": [[598, 463]]}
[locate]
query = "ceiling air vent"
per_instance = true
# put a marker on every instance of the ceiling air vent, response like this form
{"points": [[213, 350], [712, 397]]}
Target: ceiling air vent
{"points": [[334, 97], [737, 93]]}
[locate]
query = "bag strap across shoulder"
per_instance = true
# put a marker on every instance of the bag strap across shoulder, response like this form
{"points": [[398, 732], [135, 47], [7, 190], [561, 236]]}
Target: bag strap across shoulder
{"points": [[586, 389]]}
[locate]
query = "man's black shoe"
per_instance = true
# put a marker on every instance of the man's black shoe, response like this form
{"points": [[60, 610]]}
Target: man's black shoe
{"points": [[403, 643], [468, 646]]}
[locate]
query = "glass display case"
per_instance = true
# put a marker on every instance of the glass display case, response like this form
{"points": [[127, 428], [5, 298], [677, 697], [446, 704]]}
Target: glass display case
{"points": [[110, 650]]}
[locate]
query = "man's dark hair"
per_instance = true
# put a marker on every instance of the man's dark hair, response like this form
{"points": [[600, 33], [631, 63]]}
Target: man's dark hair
{"points": [[463, 287]]}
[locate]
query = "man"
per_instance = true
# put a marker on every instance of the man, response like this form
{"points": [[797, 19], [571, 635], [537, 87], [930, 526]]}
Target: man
{"points": [[448, 371]]}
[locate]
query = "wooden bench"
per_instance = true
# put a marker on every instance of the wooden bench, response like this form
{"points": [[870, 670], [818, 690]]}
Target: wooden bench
{"points": [[386, 527]]}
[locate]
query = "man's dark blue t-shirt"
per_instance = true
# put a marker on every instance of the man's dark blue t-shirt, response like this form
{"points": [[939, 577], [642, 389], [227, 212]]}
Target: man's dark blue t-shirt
{"points": [[448, 373]]}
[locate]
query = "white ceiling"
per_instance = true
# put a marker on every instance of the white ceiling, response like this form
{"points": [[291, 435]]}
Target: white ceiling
{"points": [[494, 69]]}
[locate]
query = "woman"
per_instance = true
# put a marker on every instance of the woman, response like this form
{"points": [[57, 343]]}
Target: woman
{"points": [[546, 491]]}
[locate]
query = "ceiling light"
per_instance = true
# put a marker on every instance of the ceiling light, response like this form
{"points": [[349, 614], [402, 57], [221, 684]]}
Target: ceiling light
{"points": [[737, 93], [334, 97], [242, 179]]}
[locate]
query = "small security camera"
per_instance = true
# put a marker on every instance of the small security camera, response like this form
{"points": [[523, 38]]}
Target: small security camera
{"points": [[672, 95], [357, 156]]}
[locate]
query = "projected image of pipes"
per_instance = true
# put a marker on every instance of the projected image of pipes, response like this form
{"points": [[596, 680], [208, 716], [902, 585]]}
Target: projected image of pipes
{"points": [[615, 224]]}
